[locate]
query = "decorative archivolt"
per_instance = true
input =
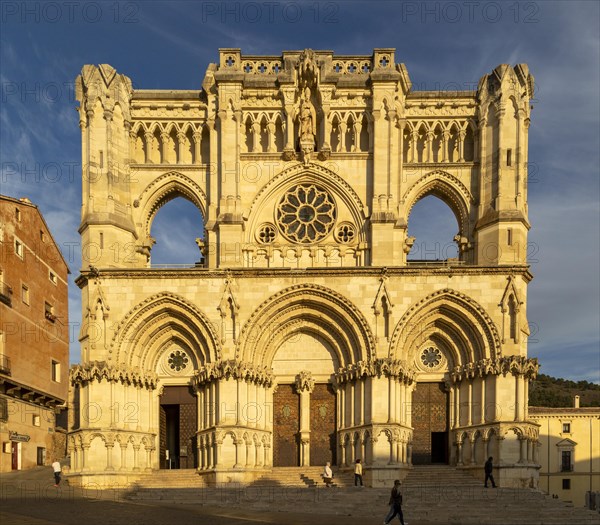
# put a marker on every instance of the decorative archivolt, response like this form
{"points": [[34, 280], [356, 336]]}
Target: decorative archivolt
{"points": [[515, 365], [381, 367], [232, 369], [142, 333], [452, 313], [165, 188], [80, 375], [331, 312], [448, 188]]}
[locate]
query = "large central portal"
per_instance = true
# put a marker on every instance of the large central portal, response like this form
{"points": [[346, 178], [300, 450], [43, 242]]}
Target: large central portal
{"points": [[430, 423], [178, 424]]}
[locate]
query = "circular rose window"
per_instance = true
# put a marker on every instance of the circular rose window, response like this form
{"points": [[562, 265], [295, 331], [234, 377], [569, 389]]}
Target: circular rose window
{"points": [[306, 213]]}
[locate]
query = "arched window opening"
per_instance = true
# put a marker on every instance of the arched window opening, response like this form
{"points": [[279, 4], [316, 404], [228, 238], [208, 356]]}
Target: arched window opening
{"points": [[406, 143], [453, 153], [364, 133], [205, 145], [436, 144], [156, 147], [469, 147], [139, 151], [264, 136], [187, 154], [175, 229], [434, 226], [335, 134], [349, 135], [247, 142], [279, 134], [512, 314], [171, 147], [421, 143]]}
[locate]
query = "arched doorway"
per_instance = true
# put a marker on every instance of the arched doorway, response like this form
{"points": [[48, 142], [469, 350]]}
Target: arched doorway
{"points": [[304, 404], [431, 423]]}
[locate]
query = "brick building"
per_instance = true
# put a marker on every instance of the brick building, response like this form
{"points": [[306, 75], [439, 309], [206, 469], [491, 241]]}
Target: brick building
{"points": [[34, 337]]}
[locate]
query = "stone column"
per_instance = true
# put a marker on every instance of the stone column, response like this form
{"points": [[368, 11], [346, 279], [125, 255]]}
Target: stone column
{"points": [[164, 137], [181, 139], [123, 456], [428, 153], [109, 450], [271, 137], [522, 450], [197, 136], [445, 137], [136, 457], [414, 154], [459, 454], [461, 145], [149, 136], [255, 137], [238, 453], [304, 386]]}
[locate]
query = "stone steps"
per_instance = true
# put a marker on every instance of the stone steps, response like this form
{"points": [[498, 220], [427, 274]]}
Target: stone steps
{"points": [[431, 495]]}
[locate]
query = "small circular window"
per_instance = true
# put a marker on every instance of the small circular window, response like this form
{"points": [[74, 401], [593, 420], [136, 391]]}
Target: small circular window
{"points": [[266, 234], [178, 360], [306, 213], [431, 357]]}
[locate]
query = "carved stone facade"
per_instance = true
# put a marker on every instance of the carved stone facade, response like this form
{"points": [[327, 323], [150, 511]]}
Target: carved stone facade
{"points": [[304, 332]]}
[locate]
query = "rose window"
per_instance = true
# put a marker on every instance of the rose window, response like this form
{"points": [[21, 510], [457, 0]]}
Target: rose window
{"points": [[306, 213], [345, 233], [267, 234], [431, 357], [178, 360]]}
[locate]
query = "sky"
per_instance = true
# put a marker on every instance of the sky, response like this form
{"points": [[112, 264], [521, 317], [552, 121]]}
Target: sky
{"points": [[444, 45]]}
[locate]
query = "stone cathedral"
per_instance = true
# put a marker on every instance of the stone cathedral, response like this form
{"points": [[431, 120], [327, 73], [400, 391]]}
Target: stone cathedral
{"points": [[305, 333]]}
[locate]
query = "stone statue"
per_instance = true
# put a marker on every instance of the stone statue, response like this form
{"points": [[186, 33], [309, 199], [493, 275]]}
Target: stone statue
{"points": [[307, 117]]}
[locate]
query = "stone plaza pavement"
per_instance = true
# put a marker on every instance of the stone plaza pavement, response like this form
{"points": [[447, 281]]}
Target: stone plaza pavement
{"points": [[30, 498]]}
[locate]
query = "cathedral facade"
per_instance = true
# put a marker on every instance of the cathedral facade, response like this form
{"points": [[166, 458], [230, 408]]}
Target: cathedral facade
{"points": [[305, 333]]}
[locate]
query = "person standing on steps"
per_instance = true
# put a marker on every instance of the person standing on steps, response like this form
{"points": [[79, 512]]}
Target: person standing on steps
{"points": [[489, 468], [57, 470], [358, 473], [395, 505], [327, 475]]}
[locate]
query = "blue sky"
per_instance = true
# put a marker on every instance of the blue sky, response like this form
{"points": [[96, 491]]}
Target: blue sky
{"points": [[443, 44]]}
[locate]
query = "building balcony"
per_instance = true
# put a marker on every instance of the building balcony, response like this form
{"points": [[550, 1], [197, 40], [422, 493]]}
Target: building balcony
{"points": [[566, 468], [5, 293], [4, 364]]}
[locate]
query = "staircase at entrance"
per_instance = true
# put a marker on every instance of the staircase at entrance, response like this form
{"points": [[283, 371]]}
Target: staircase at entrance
{"points": [[432, 494]]}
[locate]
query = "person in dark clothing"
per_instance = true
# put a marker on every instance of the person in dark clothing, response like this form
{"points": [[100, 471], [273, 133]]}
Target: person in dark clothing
{"points": [[489, 468], [395, 504]]}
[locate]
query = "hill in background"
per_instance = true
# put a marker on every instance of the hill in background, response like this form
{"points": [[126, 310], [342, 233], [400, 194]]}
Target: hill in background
{"points": [[548, 391]]}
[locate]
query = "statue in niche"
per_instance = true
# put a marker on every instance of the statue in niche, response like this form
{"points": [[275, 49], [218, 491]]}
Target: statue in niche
{"points": [[307, 117], [307, 128]]}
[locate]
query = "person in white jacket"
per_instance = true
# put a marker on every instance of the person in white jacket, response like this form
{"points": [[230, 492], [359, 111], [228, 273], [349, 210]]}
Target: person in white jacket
{"points": [[57, 470], [327, 475]]}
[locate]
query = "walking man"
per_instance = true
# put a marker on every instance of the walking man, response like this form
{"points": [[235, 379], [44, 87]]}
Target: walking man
{"points": [[57, 470], [395, 504], [358, 473], [489, 468]]}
